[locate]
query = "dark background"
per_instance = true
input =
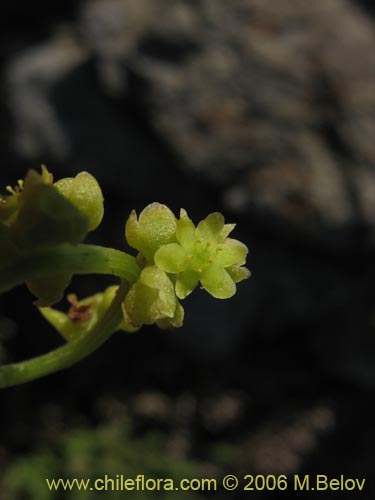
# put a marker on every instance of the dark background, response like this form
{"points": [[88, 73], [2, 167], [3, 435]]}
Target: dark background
{"points": [[262, 110]]}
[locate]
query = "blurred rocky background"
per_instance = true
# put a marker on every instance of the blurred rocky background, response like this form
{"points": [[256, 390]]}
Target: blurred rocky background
{"points": [[260, 109]]}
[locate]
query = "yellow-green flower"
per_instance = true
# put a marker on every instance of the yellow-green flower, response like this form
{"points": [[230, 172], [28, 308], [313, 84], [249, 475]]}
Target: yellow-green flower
{"points": [[37, 213], [204, 254]]}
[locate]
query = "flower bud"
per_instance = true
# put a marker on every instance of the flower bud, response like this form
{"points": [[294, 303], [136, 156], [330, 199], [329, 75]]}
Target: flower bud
{"points": [[152, 299], [155, 227], [84, 192]]}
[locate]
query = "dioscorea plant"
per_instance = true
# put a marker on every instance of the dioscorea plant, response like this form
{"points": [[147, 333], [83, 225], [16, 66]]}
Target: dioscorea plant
{"points": [[42, 227]]}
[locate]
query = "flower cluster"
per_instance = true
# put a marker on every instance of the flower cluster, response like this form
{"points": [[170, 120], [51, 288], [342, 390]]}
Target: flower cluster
{"points": [[176, 256], [42, 228]]}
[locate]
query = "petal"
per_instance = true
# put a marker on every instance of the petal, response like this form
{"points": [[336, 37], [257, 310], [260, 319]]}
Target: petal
{"points": [[227, 229], [139, 306], [186, 282], [166, 301], [185, 231], [170, 258], [175, 322], [231, 252], [132, 230], [238, 273], [218, 282], [210, 227]]}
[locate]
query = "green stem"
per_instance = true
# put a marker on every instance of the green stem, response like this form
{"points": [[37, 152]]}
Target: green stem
{"points": [[75, 259], [70, 353]]}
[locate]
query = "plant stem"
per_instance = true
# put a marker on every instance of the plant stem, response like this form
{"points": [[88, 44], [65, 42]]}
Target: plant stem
{"points": [[70, 353], [75, 259]]}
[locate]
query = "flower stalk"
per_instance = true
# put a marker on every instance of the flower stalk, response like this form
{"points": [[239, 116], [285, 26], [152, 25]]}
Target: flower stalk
{"points": [[71, 352], [74, 259]]}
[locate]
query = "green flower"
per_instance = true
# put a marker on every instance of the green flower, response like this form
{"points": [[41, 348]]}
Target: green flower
{"points": [[204, 254], [152, 299], [37, 213], [83, 314], [84, 192], [155, 227]]}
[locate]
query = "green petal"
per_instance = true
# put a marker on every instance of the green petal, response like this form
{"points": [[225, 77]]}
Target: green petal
{"points": [[210, 227], [238, 273], [186, 282], [85, 193], [218, 282], [231, 252], [157, 279], [139, 306], [170, 258], [108, 296], [156, 227], [175, 322], [227, 229], [133, 231], [185, 231]]}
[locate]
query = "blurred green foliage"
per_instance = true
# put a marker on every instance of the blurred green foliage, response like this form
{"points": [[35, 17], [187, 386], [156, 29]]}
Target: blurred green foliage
{"points": [[111, 449]]}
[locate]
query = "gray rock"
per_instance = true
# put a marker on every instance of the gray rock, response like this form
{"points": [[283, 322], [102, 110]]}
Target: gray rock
{"points": [[268, 102]]}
